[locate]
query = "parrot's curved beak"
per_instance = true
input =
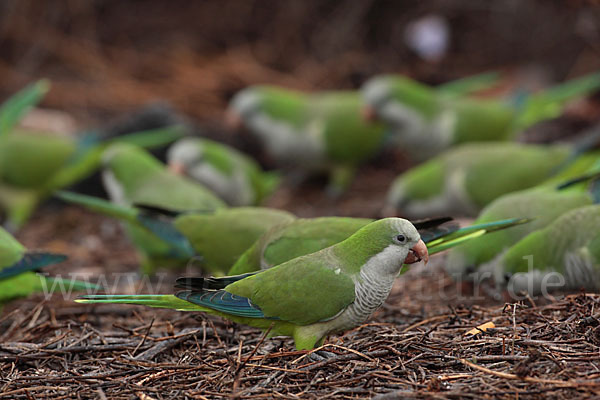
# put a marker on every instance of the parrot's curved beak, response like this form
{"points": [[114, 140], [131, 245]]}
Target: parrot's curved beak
{"points": [[417, 253], [233, 120], [368, 113], [177, 168]]}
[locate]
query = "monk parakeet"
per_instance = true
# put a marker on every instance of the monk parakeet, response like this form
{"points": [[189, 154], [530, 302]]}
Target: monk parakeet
{"points": [[462, 180], [544, 204], [218, 237], [233, 176], [308, 297], [426, 122], [33, 163], [563, 255], [309, 132], [18, 268], [307, 235]]}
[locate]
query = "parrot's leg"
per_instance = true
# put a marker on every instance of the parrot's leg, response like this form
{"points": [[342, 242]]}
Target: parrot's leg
{"points": [[340, 178]]}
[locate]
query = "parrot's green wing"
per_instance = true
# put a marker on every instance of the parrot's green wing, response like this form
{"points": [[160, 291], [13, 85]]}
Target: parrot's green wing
{"points": [[470, 84], [13, 109], [142, 179], [293, 291]]}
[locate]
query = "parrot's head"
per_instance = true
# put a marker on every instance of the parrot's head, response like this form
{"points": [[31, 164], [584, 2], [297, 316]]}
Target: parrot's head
{"points": [[397, 100], [376, 94], [388, 244], [184, 155], [244, 105]]}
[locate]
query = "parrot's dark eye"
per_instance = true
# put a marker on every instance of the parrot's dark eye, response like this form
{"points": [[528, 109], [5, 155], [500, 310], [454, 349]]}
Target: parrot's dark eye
{"points": [[401, 238]]}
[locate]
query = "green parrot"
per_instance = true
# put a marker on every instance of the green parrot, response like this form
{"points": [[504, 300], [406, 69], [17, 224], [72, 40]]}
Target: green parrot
{"points": [[232, 175], [475, 259], [308, 235], [426, 121], [216, 239], [307, 133], [464, 179], [18, 268], [563, 255], [309, 297], [33, 164]]}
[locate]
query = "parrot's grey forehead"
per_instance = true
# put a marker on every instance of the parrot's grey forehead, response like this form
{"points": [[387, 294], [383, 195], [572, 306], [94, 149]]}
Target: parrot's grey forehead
{"points": [[404, 226], [376, 91], [187, 149], [109, 154], [246, 101]]}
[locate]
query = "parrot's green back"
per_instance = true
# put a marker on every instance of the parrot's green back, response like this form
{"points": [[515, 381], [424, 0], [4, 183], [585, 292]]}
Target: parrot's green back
{"points": [[481, 120], [221, 238], [282, 104], [544, 205], [296, 238], [576, 232], [348, 138], [29, 159], [144, 180], [466, 178]]}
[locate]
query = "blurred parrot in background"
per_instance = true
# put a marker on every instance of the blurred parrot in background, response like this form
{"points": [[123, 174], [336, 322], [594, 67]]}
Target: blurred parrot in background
{"points": [[233, 176], [462, 180], [317, 132], [565, 255], [214, 239], [309, 297], [426, 121], [475, 259], [33, 164], [308, 235], [18, 267]]}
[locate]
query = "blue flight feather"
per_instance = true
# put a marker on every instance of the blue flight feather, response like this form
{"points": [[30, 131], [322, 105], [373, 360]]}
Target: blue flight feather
{"points": [[222, 301], [31, 261]]}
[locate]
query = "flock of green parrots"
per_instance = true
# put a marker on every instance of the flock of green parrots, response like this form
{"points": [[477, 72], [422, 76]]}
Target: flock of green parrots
{"points": [[537, 222]]}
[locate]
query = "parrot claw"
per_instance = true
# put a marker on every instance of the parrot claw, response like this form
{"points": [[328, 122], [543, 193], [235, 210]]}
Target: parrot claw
{"points": [[321, 355]]}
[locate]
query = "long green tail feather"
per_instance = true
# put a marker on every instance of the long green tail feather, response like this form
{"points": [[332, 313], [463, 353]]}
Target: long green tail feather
{"points": [[150, 300], [470, 232], [100, 206], [152, 138], [13, 109]]}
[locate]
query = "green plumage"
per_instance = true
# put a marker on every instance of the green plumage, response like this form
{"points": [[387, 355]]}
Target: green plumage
{"points": [[218, 237], [232, 175], [18, 268], [291, 298], [425, 121], [462, 180], [544, 204], [304, 236], [569, 247], [310, 132]]}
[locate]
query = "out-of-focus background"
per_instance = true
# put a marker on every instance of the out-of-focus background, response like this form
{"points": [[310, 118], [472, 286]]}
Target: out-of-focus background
{"points": [[107, 57]]}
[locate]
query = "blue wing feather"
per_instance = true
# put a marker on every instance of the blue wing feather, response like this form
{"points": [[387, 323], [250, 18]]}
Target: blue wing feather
{"points": [[223, 301], [31, 261]]}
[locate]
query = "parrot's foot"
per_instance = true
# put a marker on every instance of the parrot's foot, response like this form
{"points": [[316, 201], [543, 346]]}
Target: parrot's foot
{"points": [[321, 355]]}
